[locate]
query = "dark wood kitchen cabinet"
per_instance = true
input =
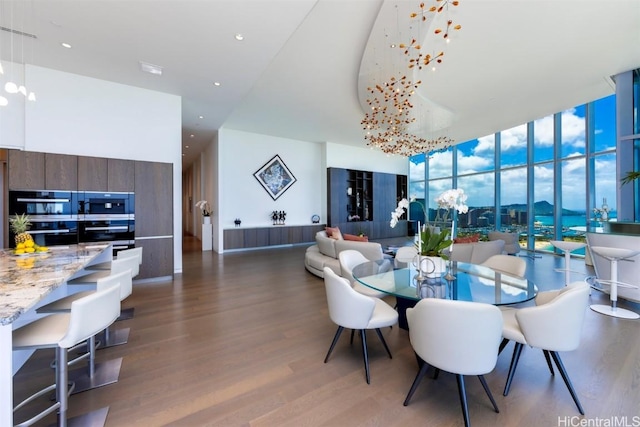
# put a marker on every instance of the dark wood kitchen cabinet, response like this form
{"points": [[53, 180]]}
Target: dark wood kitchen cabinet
{"points": [[26, 170], [102, 174], [154, 217], [30, 170], [92, 173], [61, 172]]}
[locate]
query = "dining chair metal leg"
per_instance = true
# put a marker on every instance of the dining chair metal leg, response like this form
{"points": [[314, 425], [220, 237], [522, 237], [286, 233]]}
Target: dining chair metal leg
{"points": [[486, 389], [567, 381], [421, 373], [353, 332], [546, 356], [463, 399], [512, 368], [384, 343], [365, 354], [503, 344], [333, 343]]}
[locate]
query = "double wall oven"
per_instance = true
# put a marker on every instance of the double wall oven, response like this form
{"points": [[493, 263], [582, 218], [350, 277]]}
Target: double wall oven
{"points": [[53, 214], [107, 217], [69, 217]]}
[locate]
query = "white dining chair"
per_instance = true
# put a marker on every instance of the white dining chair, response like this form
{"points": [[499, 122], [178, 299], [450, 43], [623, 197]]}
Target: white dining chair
{"points": [[352, 310], [459, 337], [405, 256], [553, 325]]}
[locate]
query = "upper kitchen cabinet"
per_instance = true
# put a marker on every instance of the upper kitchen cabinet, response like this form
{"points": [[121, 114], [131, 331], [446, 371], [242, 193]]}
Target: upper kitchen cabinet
{"points": [[60, 172], [102, 174], [26, 170], [92, 173], [120, 175]]}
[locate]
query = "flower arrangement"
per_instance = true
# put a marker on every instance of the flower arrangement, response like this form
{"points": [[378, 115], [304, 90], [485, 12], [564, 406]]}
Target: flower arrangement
{"points": [[432, 241], [204, 206]]}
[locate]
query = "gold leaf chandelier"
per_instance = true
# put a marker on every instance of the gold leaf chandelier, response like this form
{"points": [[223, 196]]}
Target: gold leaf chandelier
{"points": [[388, 124]]}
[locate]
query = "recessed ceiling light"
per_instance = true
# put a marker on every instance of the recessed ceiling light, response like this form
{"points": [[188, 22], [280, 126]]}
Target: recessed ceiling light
{"points": [[201, 117], [239, 37], [216, 83], [150, 68], [186, 146], [192, 136], [67, 45]]}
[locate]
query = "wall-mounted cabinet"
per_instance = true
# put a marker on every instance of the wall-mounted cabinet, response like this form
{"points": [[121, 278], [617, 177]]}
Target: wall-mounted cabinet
{"points": [[42, 171], [361, 202]]}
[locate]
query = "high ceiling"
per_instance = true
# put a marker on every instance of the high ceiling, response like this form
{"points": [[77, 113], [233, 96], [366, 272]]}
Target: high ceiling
{"points": [[296, 73]]}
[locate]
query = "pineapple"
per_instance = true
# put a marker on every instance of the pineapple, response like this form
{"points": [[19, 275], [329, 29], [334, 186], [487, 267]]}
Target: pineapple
{"points": [[19, 225]]}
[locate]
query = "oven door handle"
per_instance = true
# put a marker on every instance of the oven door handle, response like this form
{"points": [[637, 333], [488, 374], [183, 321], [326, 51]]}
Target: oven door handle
{"points": [[30, 199], [56, 231], [115, 227]]}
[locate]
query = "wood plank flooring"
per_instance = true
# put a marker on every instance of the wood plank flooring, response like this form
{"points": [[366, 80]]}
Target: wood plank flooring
{"points": [[239, 340]]}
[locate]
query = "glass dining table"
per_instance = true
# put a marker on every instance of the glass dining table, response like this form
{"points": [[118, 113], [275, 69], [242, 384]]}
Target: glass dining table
{"points": [[465, 282]]}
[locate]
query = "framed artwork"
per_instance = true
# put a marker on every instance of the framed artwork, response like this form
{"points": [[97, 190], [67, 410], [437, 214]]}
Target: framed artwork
{"points": [[275, 177]]}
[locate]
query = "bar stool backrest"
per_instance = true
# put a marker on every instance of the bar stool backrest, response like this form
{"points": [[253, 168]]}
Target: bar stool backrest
{"points": [[91, 314], [133, 252], [123, 264], [122, 279]]}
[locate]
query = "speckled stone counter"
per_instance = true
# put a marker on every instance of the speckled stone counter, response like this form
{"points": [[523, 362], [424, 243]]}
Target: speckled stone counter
{"points": [[26, 279], [24, 282]]}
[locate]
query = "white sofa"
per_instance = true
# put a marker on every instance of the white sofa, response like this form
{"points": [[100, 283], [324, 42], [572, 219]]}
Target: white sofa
{"points": [[477, 252], [511, 243], [325, 253]]}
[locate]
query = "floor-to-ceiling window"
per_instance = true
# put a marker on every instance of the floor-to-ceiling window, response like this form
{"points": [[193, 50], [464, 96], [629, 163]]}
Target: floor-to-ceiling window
{"points": [[570, 155]]}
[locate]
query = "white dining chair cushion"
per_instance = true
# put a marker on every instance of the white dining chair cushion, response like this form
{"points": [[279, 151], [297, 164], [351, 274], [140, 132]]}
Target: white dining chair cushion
{"points": [[456, 336], [350, 309], [405, 256], [347, 307], [507, 264], [348, 260], [556, 325]]}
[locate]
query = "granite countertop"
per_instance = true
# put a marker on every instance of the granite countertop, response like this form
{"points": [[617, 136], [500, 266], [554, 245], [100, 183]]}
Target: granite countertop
{"points": [[26, 279]]}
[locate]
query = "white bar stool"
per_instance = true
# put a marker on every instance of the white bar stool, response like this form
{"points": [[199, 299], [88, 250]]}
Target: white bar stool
{"points": [[567, 248], [88, 316], [103, 373], [614, 255]]}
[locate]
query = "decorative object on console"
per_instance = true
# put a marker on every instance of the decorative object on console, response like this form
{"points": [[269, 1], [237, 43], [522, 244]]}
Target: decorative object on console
{"points": [[315, 219], [275, 177], [278, 217], [204, 206], [237, 222]]}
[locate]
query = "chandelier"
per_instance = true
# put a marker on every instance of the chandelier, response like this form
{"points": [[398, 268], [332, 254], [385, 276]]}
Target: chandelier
{"points": [[12, 75], [390, 125]]}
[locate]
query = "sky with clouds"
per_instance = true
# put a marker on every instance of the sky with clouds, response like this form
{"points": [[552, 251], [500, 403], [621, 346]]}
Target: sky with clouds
{"points": [[476, 162]]}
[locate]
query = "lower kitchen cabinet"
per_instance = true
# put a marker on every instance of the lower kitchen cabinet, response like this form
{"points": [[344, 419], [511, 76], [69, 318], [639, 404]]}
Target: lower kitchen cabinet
{"points": [[157, 257]]}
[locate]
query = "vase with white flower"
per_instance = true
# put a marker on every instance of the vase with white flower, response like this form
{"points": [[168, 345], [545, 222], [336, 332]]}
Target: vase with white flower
{"points": [[452, 201], [205, 208], [430, 261]]}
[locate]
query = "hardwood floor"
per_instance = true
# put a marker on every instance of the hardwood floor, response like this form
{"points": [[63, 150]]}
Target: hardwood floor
{"points": [[239, 340]]}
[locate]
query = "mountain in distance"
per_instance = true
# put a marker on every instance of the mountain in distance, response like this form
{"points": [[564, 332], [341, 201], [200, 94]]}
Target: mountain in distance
{"points": [[542, 208]]}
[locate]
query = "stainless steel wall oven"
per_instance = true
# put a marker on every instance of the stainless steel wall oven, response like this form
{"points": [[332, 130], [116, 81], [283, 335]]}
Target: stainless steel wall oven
{"points": [[54, 220]]}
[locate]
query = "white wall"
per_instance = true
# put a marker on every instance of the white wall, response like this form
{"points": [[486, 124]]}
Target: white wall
{"points": [[79, 115], [238, 155]]}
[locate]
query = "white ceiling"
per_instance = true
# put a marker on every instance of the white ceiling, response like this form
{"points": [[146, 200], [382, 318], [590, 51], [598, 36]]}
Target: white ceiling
{"points": [[296, 74]]}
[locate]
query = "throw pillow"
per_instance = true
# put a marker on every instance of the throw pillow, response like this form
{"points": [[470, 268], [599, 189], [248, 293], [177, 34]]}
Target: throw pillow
{"points": [[355, 238], [467, 239], [334, 233]]}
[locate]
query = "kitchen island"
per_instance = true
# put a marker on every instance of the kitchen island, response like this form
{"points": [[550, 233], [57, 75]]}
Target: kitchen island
{"points": [[26, 282]]}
